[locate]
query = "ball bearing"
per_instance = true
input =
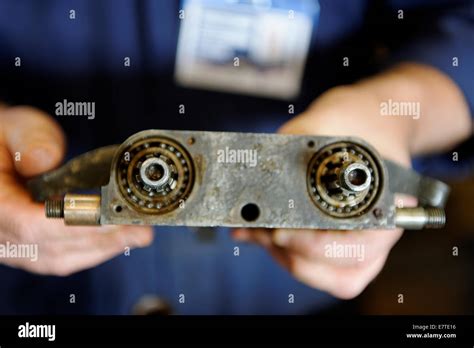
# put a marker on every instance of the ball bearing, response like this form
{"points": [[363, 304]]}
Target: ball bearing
{"points": [[155, 175], [343, 179]]}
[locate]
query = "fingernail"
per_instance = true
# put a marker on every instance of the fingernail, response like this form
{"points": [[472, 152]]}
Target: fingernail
{"points": [[240, 235], [282, 237], [143, 239]]}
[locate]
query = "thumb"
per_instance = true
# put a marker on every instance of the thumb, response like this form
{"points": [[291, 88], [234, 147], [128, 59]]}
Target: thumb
{"points": [[301, 124], [33, 139]]}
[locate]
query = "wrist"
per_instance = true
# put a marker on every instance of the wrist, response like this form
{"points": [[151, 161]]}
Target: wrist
{"points": [[400, 106], [443, 119], [355, 110]]}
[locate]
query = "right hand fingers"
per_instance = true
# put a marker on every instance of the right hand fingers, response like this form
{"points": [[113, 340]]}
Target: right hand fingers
{"points": [[63, 250], [31, 142], [90, 248]]}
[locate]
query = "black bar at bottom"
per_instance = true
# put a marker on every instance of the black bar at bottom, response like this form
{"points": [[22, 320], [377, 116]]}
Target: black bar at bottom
{"points": [[287, 330]]}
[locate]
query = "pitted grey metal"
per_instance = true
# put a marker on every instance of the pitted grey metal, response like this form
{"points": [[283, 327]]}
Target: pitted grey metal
{"points": [[237, 180]]}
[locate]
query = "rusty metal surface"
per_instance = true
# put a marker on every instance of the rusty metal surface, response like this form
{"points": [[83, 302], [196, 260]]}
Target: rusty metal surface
{"points": [[276, 182], [430, 192], [87, 171]]}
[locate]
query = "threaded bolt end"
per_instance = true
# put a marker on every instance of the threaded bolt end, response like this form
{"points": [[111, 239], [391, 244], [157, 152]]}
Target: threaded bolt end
{"points": [[436, 218], [54, 208]]}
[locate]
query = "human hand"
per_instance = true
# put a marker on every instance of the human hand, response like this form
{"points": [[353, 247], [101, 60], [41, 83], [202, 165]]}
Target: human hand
{"points": [[343, 111], [32, 143], [355, 110]]}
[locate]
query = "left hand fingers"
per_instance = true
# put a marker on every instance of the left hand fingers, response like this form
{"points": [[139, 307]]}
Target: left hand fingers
{"points": [[340, 281], [343, 248], [340, 248]]}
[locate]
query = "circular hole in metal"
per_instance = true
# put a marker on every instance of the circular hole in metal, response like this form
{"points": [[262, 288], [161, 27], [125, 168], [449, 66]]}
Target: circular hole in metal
{"points": [[154, 172], [310, 143], [357, 177], [118, 208], [250, 212]]}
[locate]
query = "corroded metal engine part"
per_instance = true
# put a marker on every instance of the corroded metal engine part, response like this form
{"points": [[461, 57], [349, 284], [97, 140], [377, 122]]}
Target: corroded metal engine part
{"points": [[163, 177]]}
